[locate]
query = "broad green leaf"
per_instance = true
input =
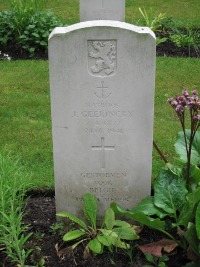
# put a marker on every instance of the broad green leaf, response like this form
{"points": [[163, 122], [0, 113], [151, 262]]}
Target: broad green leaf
{"points": [[180, 147], [73, 235], [95, 246], [187, 212], [120, 244], [109, 218], [149, 257], [106, 232], [195, 175], [194, 197], [170, 192], [148, 208], [72, 218], [139, 217], [122, 223], [192, 239], [174, 169], [114, 238], [43, 43], [90, 209], [105, 240], [197, 221], [127, 233]]}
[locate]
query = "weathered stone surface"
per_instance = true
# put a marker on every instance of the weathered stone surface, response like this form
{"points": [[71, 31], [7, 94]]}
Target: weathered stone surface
{"points": [[102, 90], [102, 10]]}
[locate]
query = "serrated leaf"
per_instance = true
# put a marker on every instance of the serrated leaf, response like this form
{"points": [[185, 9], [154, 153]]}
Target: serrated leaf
{"points": [[180, 147], [127, 233], [73, 219], [147, 207], [170, 192], [90, 209], [95, 246], [73, 235], [109, 218], [197, 221]]}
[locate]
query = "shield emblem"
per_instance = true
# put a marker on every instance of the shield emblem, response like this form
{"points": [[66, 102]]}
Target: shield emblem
{"points": [[102, 57]]}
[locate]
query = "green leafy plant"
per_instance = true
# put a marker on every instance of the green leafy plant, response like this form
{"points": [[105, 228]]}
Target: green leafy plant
{"points": [[180, 105], [26, 28], [13, 185], [23, 10], [175, 206], [159, 262], [189, 39], [112, 233], [153, 23]]}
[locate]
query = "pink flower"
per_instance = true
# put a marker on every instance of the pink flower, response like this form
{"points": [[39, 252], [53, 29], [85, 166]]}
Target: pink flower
{"points": [[179, 108]]}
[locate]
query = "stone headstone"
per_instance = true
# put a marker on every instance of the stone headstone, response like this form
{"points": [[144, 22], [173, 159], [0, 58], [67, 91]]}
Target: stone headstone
{"points": [[102, 77], [102, 10]]}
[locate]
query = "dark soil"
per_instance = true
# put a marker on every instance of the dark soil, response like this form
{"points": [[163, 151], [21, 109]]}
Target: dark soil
{"points": [[167, 48], [48, 245]]}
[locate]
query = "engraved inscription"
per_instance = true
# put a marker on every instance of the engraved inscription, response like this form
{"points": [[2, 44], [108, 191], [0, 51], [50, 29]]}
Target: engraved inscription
{"points": [[102, 57], [93, 175], [103, 149], [103, 91]]}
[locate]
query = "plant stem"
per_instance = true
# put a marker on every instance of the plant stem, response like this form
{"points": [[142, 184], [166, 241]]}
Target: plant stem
{"points": [[160, 152]]}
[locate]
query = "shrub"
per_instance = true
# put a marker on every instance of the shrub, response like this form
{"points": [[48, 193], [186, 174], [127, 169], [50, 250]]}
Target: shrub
{"points": [[27, 36]]}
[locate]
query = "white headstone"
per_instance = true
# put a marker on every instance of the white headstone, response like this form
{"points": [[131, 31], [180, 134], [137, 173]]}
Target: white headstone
{"points": [[102, 77], [102, 10]]}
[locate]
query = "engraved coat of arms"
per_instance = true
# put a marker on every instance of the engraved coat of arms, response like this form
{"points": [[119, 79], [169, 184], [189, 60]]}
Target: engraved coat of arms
{"points": [[102, 58]]}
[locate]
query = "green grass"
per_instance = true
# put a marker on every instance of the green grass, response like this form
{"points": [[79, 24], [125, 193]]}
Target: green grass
{"points": [[25, 116], [185, 10], [25, 112]]}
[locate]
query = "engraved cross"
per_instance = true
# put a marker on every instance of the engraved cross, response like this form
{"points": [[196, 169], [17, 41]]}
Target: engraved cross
{"points": [[103, 89], [103, 149]]}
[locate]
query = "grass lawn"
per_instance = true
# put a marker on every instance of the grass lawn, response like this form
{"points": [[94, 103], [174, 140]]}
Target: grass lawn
{"points": [[25, 112], [185, 10]]}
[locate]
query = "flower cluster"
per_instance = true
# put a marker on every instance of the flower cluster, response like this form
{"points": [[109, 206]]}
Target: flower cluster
{"points": [[192, 103], [4, 56]]}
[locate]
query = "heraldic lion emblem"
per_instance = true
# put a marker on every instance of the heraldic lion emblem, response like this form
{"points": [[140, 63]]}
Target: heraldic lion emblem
{"points": [[104, 53]]}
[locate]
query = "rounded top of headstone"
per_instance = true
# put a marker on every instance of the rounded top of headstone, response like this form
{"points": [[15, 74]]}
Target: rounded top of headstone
{"points": [[101, 23]]}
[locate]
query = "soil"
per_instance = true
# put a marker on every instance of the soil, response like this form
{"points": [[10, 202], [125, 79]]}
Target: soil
{"points": [[166, 49], [48, 245]]}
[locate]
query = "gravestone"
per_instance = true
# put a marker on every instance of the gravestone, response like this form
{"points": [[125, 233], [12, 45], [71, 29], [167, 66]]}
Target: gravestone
{"points": [[102, 77], [102, 10]]}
